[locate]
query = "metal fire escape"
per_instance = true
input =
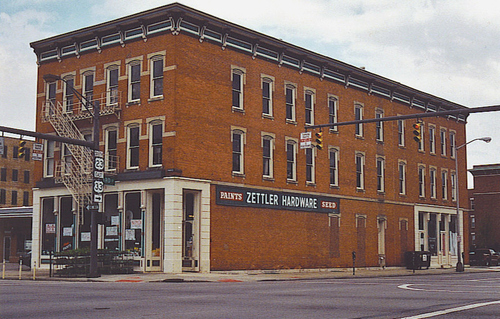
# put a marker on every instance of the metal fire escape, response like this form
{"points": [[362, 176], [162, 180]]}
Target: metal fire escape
{"points": [[74, 169]]}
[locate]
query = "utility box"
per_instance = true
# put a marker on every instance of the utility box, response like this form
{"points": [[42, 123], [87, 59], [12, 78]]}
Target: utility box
{"points": [[417, 259]]}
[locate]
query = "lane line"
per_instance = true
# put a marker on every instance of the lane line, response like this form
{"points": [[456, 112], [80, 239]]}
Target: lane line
{"points": [[446, 311]]}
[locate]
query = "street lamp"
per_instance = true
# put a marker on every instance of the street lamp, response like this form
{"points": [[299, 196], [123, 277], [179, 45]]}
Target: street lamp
{"points": [[460, 265], [93, 271]]}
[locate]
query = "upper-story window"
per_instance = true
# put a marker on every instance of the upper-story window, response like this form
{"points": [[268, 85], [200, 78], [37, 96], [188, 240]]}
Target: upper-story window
{"points": [[309, 109], [156, 84], [290, 97], [113, 73], [49, 158], [360, 171], [3, 174], [401, 133], [402, 177], [51, 92], [422, 135], [310, 170], [134, 81], [88, 85], [15, 175], [443, 142], [238, 81], [156, 143], [444, 184], [238, 141], [67, 158], [421, 181], [432, 139], [453, 142], [26, 177], [68, 101], [379, 127], [453, 186], [133, 146], [333, 155], [111, 157], [267, 155], [358, 116], [433, 183], [380, 174], [291, 160], [332, 111], [267, 96]]}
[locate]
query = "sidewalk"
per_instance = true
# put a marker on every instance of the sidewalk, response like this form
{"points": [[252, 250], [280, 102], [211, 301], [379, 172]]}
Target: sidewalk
{"points": [[12, 273]]}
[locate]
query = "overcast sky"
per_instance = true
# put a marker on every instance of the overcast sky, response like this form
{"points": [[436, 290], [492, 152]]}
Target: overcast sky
{"points": [[448, 48]]}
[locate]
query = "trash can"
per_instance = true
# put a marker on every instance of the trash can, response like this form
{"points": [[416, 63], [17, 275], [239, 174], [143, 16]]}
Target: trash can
{"points": [[417, 259]]}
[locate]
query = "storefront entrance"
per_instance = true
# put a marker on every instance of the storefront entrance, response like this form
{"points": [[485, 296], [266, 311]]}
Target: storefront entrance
{"points": [[153, 230]]}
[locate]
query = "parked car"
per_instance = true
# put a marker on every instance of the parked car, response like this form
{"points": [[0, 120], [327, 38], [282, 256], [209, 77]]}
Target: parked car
{"points": [[484, 257]]}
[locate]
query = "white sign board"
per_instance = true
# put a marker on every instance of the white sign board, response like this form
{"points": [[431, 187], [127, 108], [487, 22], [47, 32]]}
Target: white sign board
{"points": [[305, 140]]}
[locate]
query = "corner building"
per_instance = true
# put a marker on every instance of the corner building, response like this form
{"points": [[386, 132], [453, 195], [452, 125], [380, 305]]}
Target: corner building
{"points": [[200, 124]]}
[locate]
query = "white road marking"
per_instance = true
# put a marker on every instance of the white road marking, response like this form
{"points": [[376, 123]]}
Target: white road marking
{"points": [[446, 311]]}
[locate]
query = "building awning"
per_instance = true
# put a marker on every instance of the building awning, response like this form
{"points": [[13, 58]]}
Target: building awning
{"points": [[16, 212]]}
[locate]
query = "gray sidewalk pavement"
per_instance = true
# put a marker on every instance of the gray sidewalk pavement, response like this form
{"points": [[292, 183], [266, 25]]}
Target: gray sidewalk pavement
{"points": [[11, 272]]}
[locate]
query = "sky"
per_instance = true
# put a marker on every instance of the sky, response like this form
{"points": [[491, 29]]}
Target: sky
{"points": [[448, 48]]}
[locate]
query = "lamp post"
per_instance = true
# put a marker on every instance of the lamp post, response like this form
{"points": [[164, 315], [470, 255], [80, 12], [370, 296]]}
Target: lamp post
{"points": [[460, 265], [93, 271]]}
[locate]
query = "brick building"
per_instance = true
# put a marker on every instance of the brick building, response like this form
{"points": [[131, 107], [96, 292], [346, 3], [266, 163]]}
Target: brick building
{"points": [[484, 216], [16, 183], [200, 126]]}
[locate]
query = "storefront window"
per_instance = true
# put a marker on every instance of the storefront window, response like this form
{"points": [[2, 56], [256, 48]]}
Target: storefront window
{"points": [[112, 222], [133, 223], [48, 226], [66, 224]]}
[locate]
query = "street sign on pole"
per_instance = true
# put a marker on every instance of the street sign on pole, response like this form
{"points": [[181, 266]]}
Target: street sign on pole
{"points": [[305, 140]]}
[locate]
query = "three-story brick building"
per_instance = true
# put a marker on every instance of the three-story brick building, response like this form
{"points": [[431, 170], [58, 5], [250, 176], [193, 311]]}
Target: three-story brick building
{"points": [[200, 128]]}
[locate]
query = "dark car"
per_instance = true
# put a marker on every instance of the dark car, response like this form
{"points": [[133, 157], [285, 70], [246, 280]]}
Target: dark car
{"points": [[484, 257]]}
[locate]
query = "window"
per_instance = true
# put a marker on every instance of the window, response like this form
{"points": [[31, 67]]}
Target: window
{"points": [[402, 177], [358, 115], [333, 155], [444, 184], [133, 146], [67, 157], [156, 142], [69, 84], [432, 139], [443, 142], [156, 84], [15, 152], [88, 85], [267, 96], [453, 186], [237, 80], [3, 195], [49, 158], [309, 99], [380, 174], [360, 170], [421, 142], [267, 156], [290, 95], [27, 154], [26, 177], [310, 165], [15, 175], [401, 132], [51, 92], [3, 174], [433, 177], [332, 111], [421, 181], [111, 158], [291, 160], [452, 145], [5, 151], [26, 198], [14, 198], [112, 84], [134, 81], [237, 138], [379, 133]]}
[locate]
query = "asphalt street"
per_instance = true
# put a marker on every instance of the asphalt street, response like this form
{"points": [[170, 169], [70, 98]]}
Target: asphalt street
{"points": [[459, 295]]}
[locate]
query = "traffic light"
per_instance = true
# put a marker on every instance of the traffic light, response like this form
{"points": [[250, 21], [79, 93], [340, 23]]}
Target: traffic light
{"points": [[21, 150], [417, 131], [319, 140]]}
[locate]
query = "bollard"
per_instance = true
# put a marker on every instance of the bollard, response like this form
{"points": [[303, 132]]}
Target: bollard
{"points": [[20, 268], [353, 263], [3, 269]]}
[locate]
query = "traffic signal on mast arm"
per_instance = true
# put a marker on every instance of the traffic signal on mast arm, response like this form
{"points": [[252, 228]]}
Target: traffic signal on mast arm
{"points": [[417, 131], [21, 150], [319, 140]]}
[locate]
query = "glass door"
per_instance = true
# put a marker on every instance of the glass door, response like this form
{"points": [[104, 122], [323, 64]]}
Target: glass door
{"points": [[153, 234]]}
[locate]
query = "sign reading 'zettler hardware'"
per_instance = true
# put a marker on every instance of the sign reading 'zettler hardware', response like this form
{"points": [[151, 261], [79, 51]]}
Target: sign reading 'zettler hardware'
{"points": [[249, 197]]}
